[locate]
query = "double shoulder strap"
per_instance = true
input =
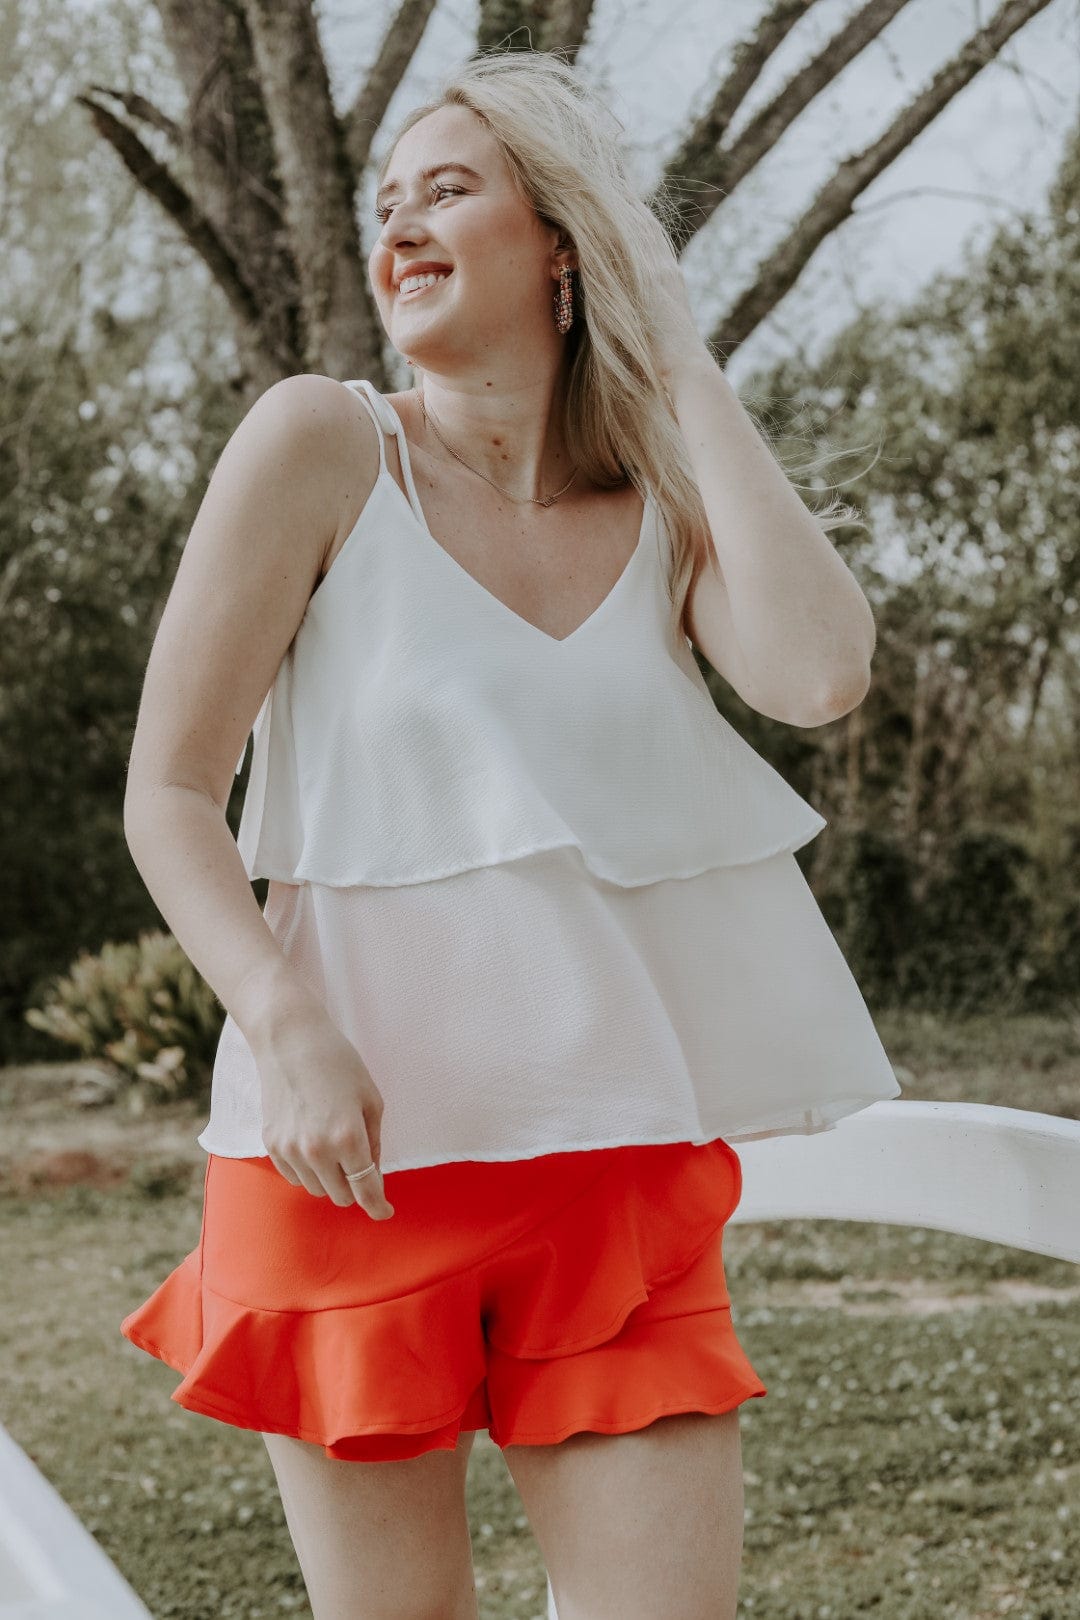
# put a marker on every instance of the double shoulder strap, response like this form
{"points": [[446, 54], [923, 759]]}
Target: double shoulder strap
{"points": [[386, 420]]}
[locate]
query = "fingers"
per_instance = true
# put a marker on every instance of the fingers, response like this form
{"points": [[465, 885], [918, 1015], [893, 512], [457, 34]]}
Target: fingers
{"points": [[321, 1170], [367, 1192], [358, 1151]]}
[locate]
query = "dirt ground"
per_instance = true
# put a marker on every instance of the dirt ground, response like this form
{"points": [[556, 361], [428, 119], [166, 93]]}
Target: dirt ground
{"points": [[55, 1131]]}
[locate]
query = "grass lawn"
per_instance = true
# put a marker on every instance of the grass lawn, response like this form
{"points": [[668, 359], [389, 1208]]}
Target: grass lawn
{"points": [[917, 1455]]}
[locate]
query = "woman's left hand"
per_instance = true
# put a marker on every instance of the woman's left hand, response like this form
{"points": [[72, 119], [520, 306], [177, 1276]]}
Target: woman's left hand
{"points": [[674, 336]]}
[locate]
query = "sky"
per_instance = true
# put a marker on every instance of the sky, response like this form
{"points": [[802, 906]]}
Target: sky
{"points": [[992, 151]]}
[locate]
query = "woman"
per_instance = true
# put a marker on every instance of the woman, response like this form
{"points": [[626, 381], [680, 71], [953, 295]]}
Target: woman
{"points": [[535, 939]]}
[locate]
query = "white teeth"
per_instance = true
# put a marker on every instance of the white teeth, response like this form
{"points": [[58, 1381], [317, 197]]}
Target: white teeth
{"points": [[413, 283]]}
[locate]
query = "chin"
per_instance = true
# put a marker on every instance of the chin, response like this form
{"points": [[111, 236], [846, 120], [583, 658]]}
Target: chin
{"points": [[428, 354]]}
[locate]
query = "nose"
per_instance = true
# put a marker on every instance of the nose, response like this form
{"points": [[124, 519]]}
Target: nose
{"points": [[403, 228]]}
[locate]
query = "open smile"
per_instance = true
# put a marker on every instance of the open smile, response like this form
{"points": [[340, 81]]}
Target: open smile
{"points": [[415, 287]]}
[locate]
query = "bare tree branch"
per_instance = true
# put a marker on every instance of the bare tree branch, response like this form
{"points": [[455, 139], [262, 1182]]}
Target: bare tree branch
{"points": [[137, 106], [765, 129], [835, 200], [319, 187], [721, 168], [171, 197], [538, 25], [1043, 662], [749, 59], [230, 149], [518, 24], [568, 23], [399, 45]]}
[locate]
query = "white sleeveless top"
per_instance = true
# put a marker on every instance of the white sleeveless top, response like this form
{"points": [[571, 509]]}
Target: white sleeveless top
{"points": [[543, 886]]}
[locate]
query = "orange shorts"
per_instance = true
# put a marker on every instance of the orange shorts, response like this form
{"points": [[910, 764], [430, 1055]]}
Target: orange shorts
{"points": [[530, 1297]]}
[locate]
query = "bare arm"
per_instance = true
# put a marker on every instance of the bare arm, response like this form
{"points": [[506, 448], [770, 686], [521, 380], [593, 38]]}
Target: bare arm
{"points": [[778, 613], [187, 857], [802, 625], [268, 518]]}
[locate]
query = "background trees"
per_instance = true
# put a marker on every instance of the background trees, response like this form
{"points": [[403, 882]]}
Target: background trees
{"points": [[182, 228]]}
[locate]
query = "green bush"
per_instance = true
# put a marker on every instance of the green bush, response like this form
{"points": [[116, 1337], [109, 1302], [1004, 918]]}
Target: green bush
{"points": [[141, 1009]]}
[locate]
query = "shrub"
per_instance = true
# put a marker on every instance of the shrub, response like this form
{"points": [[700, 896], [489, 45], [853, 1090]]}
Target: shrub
{"points": [[144, 1010]]}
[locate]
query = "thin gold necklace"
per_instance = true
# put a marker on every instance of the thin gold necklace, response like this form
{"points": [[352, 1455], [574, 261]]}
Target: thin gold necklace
{"points": [[520, 500]]}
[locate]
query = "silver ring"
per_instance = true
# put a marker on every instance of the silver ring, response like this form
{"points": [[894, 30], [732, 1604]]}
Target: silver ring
{"points": [[356, 1174]]}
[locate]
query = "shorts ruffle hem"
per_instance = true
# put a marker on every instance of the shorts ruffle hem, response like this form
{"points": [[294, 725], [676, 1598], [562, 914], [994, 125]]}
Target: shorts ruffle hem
{"points": [[531, 1297]]}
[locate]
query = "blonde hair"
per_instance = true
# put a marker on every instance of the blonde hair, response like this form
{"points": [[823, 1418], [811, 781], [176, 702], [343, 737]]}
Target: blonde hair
{"points": [[563, 146]]}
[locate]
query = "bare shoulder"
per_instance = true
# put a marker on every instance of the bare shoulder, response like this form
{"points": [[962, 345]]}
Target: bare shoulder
{"points": [[328, 425], [334, 447], [307, 403]]}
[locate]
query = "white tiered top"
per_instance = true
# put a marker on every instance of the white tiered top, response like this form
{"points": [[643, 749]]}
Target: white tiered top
{"points": [[543, 886]]}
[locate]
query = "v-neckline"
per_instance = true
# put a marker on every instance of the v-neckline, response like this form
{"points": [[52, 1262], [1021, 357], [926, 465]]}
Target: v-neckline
{"points": [[417, 514]]}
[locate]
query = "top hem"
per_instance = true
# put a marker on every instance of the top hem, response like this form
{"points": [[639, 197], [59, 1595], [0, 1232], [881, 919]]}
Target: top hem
{"points": [[810, 1122], [295, 875]]}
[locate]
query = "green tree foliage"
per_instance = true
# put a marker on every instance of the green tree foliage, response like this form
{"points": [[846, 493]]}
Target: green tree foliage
{"points": [[970, 401], [88, 548]]}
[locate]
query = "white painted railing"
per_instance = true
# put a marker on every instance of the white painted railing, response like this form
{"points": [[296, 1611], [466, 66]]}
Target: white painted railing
{"points": [[51, 1568]]}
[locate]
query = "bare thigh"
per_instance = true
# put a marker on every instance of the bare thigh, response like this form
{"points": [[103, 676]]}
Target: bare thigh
{"points": [[379, 1540], [640, 1526]]}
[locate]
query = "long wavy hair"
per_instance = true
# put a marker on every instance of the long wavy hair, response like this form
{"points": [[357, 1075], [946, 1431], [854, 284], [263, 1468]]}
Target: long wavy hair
{"points": [[564, 149]]}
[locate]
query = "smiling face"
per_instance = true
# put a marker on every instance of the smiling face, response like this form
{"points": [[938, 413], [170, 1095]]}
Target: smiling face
{"points": [[449, 208]]}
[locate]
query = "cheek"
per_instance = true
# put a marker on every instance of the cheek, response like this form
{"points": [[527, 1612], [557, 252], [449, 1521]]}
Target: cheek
{"points": [[498, 246], [379, 262]]}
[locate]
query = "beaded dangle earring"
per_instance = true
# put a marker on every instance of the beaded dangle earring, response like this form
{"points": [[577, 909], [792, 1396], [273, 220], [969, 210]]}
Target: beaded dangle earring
{"points": [[564, 300]]}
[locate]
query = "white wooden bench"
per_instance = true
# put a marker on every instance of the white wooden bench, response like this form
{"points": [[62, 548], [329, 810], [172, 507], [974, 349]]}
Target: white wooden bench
{"points": [[1003, 1174]]}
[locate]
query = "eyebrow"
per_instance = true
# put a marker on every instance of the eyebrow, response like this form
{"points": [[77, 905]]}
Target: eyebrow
{"points": [[428, 174]]}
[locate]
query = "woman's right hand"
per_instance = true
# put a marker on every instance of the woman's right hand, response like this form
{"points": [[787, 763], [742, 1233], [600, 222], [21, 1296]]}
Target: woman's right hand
{"points": [[322, 1111]]}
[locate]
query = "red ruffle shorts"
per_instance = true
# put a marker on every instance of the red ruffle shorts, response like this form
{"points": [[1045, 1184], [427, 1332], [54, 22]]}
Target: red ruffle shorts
{"points": [[530, 1297]]}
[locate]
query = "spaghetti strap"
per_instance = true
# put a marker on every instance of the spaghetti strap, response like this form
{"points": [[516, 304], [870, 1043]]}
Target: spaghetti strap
{"points": [[406, 464], [389, 419], [374, 413]]}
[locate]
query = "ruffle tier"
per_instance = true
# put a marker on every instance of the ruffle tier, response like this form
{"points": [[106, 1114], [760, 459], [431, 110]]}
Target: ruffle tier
{"points": [[298, 1317], [531, 1009], [417, 729]]}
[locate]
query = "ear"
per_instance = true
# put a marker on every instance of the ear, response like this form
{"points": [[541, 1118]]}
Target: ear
{"points": [[564, 254]]}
